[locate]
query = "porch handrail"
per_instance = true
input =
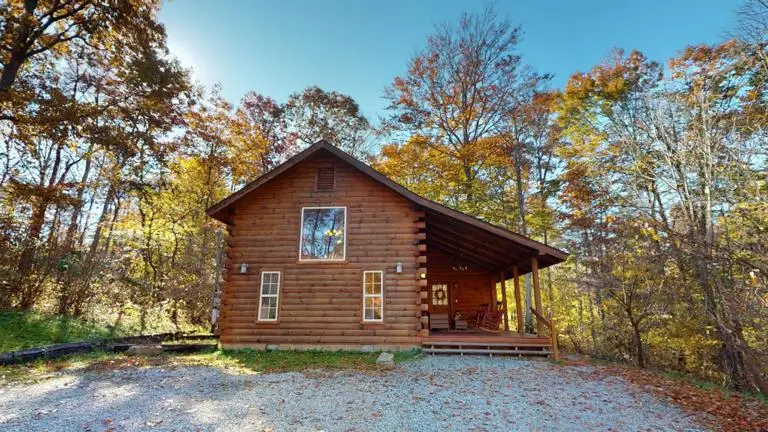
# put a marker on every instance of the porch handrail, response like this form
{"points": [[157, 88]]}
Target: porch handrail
{"points": [[552, 332], [542, 319]]}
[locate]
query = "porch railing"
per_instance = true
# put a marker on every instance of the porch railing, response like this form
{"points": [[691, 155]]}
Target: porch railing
{"points": [[552, 333]]}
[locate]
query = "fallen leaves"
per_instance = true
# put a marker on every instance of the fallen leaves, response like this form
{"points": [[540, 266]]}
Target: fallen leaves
{"points": [[729, 412]]}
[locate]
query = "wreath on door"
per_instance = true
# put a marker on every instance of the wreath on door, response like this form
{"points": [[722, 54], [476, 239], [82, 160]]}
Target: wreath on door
{"points": [[440, 294]]}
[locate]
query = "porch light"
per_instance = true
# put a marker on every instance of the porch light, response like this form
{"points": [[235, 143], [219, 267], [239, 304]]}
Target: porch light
{"points": [[423, 275], [399, 267], [243, 268]]}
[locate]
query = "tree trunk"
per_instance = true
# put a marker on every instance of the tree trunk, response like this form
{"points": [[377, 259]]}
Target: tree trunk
{"points": [[550, 285], [30, 291], [742, 371], [638, 342], [517, 157], [18, 50], [10, 72], [73, 222], [77, 295], [67, 288], [592, 329], [468, 180], [27, 292]]}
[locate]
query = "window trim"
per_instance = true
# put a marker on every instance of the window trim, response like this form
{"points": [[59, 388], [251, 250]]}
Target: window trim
{"points": [[301, 235], [380, 295], [276, 296]]}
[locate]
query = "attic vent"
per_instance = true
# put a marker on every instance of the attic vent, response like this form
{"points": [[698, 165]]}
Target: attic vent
{"points": [[325, 179]]}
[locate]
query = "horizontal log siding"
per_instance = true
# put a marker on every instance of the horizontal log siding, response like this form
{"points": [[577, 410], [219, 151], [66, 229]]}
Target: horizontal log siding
{"points": [[475, 284], [321, 303]]}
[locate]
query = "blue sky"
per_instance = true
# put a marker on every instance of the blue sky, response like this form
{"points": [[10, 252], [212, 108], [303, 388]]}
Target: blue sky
{"points": [[358, 47]]}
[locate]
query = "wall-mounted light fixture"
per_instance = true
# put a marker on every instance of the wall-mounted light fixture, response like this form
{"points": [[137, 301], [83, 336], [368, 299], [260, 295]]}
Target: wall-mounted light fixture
{"points": [[399, 267], [423, 275], [243, 268]]}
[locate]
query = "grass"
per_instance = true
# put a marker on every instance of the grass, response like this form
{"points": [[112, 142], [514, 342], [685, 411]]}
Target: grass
{"points": [[269, 361], [41, 369], [761, 397], [236, 361], [19, 330], [706, 385]]}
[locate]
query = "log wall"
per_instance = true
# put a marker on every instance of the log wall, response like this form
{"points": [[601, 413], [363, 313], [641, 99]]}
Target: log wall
{"points": [[321, 304], [470, 288]]}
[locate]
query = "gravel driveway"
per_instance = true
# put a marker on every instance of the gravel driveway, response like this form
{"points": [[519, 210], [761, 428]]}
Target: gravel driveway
{"points": [[435, 393]]}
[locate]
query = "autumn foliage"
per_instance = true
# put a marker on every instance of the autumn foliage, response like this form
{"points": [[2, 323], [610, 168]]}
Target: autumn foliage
{"points": [[651, 173]]}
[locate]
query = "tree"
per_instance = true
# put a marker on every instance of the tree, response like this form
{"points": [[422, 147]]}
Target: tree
{"points": [[752, 30], [638, 275], [315, 114], [85, 102], [459, 90], [261, 137], [38, 27], [524, 138], [673, 150], [420, 168]]}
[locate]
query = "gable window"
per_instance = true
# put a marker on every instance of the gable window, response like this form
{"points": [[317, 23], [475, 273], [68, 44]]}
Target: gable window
{"points": [[373, 296], [269, 295], [325, 179], [323, 234]]}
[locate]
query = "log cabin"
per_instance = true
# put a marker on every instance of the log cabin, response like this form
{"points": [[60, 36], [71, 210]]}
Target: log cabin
{"points": [[324, 252]]}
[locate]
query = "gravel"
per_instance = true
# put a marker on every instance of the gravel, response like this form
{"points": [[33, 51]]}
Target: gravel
{"points": [[431, 394]]}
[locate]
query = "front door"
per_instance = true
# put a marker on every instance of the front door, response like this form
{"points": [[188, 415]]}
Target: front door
{"points": [[440, 302]]}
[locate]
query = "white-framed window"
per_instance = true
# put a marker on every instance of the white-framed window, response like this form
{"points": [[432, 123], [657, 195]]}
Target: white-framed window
{"points": [[373, 295], [323, 234], [269, 295]]}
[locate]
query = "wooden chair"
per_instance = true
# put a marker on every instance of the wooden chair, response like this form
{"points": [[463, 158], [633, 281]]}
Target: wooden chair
{"points": [[439, 322], [477, 317], [492, 321]]}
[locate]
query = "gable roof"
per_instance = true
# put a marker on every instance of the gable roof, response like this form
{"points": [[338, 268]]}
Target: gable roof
{"points": [[548, 255]]}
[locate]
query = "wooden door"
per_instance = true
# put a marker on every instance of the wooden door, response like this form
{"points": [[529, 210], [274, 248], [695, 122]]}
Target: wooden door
{"points": [[439, 298]]}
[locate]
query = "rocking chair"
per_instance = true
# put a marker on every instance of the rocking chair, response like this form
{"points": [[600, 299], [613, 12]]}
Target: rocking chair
{"points": [[492, 320], [477, 317]]}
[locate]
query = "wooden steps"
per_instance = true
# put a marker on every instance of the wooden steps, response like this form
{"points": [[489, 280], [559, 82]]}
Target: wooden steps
{"points": [[462, 351], [489, 346]]}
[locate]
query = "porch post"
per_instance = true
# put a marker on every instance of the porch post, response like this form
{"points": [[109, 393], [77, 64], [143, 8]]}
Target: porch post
{"points": [[537, 294], [504, 300], [518, 301]]}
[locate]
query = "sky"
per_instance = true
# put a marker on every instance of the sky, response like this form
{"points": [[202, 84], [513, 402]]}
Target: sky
{"points": [[357, 47]]}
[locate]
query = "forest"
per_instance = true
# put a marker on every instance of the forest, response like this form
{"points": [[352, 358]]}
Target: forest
{"points": [[651, 173]]}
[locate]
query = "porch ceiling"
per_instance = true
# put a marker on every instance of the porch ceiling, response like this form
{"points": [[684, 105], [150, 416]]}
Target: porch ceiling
{"points": [[481, 247]]}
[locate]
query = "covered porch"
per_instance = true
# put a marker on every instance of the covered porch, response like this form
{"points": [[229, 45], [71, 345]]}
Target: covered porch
{"points": [[472, 292]]}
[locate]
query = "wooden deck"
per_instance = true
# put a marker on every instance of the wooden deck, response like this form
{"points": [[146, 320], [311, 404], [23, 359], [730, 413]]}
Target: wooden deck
{"points": [[480, 342]]}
